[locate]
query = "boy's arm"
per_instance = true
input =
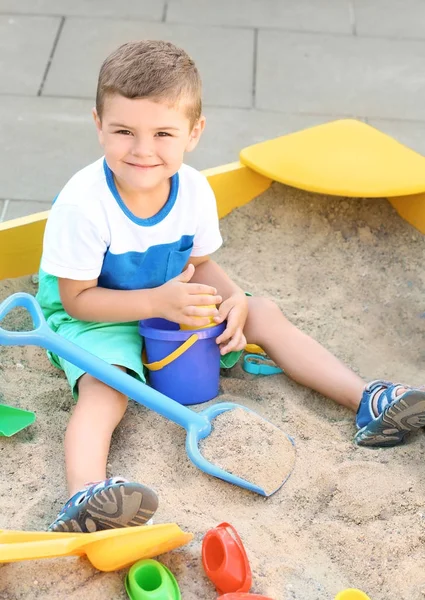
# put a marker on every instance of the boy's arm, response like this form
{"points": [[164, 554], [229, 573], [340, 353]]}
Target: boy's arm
{"points": [[85, 301], [177, 300], [209, 272]]}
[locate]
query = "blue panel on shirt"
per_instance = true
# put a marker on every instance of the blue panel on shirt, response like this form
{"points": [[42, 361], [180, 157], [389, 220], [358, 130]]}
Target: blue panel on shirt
{"points": [[141, 270]]}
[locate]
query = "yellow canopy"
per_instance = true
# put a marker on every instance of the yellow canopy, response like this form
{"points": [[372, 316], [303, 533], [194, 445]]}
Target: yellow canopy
{"points": [[341, 158]]}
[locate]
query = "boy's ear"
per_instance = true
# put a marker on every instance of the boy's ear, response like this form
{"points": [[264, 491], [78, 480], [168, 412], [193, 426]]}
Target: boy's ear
{"points": [[196, 133], [98, 124]]}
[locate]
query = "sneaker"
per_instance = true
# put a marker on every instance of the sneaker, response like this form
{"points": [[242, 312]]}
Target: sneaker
{"points": [[108, 504], [385, 418]]}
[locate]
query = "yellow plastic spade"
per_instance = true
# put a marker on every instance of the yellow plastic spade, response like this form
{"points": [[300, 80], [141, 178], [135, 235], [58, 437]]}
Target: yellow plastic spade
{"points": [[108, 550], [342, 158]]}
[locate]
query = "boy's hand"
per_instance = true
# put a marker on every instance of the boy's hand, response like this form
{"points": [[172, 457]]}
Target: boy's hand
{"points": [[235, 310], [187, 303]]}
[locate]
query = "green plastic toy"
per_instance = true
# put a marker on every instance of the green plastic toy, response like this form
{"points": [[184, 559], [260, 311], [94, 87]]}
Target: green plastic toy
{"points": [[14, 419], [150, 580]]}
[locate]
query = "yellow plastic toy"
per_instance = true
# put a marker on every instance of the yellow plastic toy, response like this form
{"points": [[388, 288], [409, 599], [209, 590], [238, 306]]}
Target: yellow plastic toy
{"points": [[254, 349], [210, 324], [342, 158], [351, 594], [108, 550]]}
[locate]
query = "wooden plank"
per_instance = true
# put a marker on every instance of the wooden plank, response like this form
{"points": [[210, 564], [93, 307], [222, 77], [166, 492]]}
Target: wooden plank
{"points": [[21, 243], [235, 185], [411, 209]]}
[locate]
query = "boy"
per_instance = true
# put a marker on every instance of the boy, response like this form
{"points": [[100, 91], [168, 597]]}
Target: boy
{"points": [[128, 238]]}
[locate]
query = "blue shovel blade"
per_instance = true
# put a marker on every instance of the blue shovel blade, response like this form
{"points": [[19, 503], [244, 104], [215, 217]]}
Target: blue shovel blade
{"points": [[192, 448]]}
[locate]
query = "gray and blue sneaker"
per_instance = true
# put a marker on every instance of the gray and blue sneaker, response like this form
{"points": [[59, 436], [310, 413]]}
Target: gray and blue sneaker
{"points": [[108, 504], [385, 418]]}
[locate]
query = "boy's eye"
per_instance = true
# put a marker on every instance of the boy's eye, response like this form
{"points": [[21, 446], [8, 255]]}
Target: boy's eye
{"points": [[162, 134], [124, 132]]}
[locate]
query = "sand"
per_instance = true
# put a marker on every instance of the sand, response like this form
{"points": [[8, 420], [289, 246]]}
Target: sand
{"points": [[347, 271]]}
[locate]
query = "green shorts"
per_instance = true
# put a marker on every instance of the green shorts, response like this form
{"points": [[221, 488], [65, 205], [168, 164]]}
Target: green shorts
{"points": [[115, 343]]}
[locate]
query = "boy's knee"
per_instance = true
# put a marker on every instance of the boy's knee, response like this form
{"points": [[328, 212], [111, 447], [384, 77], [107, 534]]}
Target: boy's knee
{"points": [[264, 306], [89, 385]]}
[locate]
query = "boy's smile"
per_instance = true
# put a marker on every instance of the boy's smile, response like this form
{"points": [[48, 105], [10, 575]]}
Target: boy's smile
{"points": [[144, 143]]}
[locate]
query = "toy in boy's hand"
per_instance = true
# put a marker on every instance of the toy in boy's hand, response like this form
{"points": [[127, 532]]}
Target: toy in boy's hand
{"points": [[210, 324]]}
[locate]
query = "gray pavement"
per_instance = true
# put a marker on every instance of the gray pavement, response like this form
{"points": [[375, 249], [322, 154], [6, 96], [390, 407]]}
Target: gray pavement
{"points": [[269, 67]]}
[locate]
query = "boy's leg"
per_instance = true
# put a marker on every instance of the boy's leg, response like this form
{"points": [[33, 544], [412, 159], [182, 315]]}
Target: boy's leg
{"points": [[88, 436], [386, 412], [96, 502], [299, 355]]}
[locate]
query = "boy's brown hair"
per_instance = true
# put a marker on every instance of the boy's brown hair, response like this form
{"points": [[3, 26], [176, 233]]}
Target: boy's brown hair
{"points": [[151, 69]]}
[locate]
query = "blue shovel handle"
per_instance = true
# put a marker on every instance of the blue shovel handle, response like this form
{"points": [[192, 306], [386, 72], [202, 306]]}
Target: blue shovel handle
{"points": [[43, 336]]}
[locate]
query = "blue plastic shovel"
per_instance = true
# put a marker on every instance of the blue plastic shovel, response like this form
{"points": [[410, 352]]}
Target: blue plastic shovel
{"points": [[197, 424]]}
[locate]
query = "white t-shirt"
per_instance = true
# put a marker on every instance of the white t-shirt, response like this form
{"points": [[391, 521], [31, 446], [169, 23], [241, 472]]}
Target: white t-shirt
{"points": [[91, 234]]}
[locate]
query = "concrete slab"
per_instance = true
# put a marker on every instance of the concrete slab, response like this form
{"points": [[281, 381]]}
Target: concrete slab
{"points": [[395, 18], [146, 9], [44, 142], [409, 133], [229, 130], [224, 56], [303, 15], [25, 47], [308, 73], [22, 208]]}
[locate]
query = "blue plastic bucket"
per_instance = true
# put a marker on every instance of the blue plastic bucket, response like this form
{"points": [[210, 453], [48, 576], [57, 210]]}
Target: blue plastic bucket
{"points": [[193, 376]]}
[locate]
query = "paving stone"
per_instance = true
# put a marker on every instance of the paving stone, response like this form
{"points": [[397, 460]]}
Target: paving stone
{"points": [[229, 130], [44, 142], [147, 9], [409, 133], [224, 56], [312, 73], [22, 208], [25, 47], [302, 15], [395, 18]]}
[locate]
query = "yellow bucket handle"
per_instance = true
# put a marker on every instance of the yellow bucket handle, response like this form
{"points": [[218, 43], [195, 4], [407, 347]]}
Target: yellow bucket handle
{"points": [[160, 364]]}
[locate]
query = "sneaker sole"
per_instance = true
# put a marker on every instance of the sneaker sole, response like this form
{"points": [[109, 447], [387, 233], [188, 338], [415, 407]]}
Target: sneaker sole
{"points": [[122, 505], [398, 419]]}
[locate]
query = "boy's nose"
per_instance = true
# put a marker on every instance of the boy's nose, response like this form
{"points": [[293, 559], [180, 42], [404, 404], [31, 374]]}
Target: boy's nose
{"points": [[142, 148]]}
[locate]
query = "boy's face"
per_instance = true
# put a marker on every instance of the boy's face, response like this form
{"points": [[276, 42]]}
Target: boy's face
{"points": [[145, 141]]}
